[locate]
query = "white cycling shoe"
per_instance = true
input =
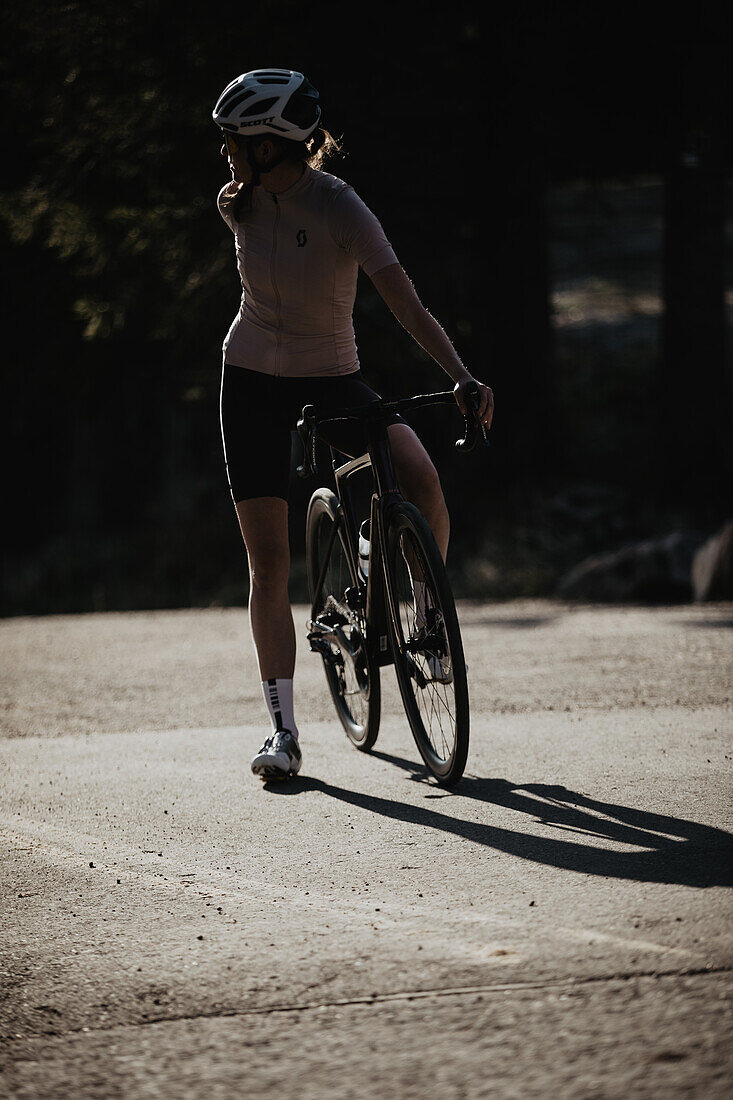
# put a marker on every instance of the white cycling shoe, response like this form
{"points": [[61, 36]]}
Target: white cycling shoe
{"points": [[441, 669], [279, 757]]}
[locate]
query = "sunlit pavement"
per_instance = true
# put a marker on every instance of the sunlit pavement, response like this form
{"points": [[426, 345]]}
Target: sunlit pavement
{"points": [[559, 924]]}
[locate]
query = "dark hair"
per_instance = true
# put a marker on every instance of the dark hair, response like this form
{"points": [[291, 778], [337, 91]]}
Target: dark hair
{"points": [[314, 152]]}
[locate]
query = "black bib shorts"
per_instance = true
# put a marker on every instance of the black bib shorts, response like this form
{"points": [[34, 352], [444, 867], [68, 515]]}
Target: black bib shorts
{"points": [[260, 411]]}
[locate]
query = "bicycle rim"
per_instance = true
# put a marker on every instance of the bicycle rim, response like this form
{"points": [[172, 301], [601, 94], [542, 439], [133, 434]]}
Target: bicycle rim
{"points": [[427, 645], [352, 677]]}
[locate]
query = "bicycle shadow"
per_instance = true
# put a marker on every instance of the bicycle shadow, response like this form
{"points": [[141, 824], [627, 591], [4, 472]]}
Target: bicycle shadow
{"points": [[671, 850]]}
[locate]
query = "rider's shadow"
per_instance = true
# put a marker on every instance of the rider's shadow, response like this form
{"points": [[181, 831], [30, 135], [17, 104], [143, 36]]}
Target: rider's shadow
{"points": [[664, 849]]}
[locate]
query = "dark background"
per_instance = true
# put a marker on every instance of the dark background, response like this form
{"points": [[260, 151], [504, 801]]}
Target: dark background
{"points": [[556, 184]]}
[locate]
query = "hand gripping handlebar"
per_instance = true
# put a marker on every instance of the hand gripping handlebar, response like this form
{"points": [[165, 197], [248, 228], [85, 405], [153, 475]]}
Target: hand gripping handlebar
{"points": [[472, 423]]}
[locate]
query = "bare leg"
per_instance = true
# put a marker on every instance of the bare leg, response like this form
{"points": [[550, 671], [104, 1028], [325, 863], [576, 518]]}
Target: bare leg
{"points": [[264, 525], [419, 481]]}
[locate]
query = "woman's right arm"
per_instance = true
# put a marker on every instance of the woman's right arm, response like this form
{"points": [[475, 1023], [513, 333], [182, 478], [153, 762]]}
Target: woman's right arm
{"points": [[225, 200]]}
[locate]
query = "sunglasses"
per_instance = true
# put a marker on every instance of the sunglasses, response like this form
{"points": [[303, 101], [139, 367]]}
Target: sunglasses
{"points": [[233, 143]]}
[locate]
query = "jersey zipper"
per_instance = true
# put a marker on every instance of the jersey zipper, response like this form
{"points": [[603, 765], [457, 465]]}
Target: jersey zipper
{"points": [[278, 301]]}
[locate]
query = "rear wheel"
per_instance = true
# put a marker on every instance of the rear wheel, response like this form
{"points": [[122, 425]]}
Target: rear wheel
{"points": [[337, 629], [428, 650]]}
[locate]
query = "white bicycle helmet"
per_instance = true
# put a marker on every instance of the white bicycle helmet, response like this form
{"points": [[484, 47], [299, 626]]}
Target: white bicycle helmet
{"points": [[269, 101]]}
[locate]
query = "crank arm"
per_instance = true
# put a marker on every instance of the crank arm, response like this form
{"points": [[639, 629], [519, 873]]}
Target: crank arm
{"points": [[319, 633]]}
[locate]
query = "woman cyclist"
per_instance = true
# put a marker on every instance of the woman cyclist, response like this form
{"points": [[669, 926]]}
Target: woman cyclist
{"points": [[300, 236]]}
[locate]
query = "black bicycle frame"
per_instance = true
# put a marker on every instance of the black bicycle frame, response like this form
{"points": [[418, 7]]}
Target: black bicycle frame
{"points": [[386, 493]]}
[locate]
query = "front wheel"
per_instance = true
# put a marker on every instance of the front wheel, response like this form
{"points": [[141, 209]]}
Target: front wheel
{"points": [[337, 629], [427, 646]]}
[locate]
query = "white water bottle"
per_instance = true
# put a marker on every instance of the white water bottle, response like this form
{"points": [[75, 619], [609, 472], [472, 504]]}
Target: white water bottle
{"points": [[364, 549]]}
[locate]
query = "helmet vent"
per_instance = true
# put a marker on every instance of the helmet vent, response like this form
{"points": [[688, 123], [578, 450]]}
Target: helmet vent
{"points": [[227, 105], [259, 108]]}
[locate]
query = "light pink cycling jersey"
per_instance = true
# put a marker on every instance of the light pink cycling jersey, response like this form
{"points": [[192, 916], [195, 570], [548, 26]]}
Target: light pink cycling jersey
{"points": [[298, 255]]}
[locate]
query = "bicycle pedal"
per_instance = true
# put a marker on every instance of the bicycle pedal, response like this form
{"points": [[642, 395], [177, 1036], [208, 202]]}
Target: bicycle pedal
{"points": [[318, 644]]}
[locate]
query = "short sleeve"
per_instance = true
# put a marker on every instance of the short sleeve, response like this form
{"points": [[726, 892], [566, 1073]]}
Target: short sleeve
{"points": [[358, 231], [225, 201]]}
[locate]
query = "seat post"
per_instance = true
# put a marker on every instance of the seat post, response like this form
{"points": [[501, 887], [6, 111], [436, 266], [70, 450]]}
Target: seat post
{"points": [[381, 455]]}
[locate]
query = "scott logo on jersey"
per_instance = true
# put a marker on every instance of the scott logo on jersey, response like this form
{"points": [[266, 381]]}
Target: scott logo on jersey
{"points": [[301, 238]]}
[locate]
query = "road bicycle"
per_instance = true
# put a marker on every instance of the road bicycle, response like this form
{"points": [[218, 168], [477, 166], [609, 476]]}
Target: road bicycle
{"points": [[392, 604]]}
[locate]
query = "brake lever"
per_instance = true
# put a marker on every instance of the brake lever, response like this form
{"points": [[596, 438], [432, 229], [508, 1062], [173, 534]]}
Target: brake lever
{"points": [[467, 444], [307, 432]]}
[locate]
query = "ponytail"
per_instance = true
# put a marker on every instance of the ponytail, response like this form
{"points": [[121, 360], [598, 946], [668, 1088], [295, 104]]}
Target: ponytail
{"points": [[321, 147]]}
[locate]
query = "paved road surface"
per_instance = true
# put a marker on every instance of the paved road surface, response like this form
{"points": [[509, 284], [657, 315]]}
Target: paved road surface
{"points": [[558, 925]]}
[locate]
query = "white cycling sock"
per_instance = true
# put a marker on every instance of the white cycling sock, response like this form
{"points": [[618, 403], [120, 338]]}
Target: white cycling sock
{"points": [[279, 700]]}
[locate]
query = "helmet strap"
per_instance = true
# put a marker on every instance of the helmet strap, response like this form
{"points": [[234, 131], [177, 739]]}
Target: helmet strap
{"points": [[253, 165], [257, 171]]}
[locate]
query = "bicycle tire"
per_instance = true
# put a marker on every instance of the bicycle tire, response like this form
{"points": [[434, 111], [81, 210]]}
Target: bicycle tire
{"points": [[427, 645], [353, 682]]}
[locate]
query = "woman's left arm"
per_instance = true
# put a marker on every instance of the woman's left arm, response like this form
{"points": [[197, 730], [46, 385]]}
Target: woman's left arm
{"points": [[395, 287]]}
